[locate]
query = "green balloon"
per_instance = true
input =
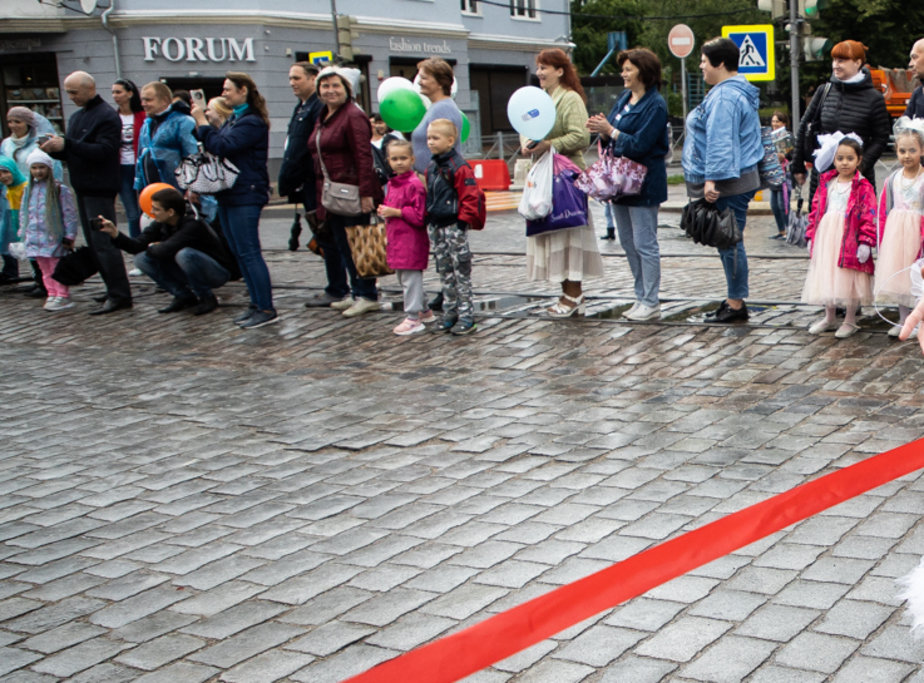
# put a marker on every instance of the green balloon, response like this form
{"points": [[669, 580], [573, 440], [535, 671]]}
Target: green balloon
{"points": [[402, 110], [466, 127]]}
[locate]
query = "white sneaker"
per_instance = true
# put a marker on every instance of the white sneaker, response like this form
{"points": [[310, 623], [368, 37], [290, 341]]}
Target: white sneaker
{"points": [[361, 306], [58, 303], [343, 304], [644, 312], [895, 330], [135, 272], [633, 309]]}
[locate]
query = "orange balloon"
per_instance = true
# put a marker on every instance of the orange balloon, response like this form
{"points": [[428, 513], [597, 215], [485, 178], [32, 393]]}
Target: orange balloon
{"points": [[144, 199]]}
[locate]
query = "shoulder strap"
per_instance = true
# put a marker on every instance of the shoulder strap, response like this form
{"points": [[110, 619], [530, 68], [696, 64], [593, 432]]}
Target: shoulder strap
{"points": [[317, 141]]}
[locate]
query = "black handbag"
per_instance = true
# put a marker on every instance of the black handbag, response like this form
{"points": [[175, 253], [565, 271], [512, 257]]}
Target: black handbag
{"points": [[76, 266], [812, 130], [705, 224]]}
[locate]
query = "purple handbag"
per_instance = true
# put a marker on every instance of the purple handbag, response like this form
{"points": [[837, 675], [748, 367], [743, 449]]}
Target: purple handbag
{"points": [[569, 203], [611, 177]]}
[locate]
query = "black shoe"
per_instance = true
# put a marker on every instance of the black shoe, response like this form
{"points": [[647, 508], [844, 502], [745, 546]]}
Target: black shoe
{"points": [[246, 314], [446, 324], [178, 304], [778, 236], [101, 297], [112, 305], [207, 304], [8, 279], [37, 292], [729, 314], [610, 234], [259, 319], [710, 317], [436, 304]]}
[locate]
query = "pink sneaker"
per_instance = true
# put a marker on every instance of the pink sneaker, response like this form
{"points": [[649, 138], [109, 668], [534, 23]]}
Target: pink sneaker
{"points": [[427, 317], [409, 326]]}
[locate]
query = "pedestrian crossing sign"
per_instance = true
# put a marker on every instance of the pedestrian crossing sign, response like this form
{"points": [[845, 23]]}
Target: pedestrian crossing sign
{"points": [[757, 60]]}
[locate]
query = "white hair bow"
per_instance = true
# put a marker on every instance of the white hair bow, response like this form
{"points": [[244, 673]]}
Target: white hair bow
{"points": [[824, 155], [905, 124]]}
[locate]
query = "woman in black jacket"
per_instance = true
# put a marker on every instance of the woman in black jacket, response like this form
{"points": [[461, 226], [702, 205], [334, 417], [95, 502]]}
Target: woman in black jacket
{"points": [[850, 103]]}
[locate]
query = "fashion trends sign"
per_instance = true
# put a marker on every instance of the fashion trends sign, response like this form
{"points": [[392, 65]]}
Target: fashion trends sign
{"points": [[193, 49]]}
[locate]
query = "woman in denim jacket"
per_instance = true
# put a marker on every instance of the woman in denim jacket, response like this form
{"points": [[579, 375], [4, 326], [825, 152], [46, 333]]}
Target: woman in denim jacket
{"points": [[720, 156]]}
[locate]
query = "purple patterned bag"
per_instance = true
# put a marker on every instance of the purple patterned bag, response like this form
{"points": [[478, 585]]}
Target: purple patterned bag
{"points": [[611, 177], [569, 204]]}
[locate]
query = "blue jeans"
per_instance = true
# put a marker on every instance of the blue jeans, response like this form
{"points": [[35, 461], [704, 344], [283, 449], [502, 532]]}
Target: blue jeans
{"points": [[130, 199], [735, 260], [241, 225], [359, 286], [638, 235], [190, 271], [779, 208]]}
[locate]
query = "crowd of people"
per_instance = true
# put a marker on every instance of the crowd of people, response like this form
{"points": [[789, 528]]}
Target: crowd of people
{"points": [[425, 192]]}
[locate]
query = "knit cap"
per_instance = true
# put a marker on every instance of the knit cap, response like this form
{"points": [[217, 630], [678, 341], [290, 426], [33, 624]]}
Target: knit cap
{"points": [[21, 114], [349, 75], [37, 156]]}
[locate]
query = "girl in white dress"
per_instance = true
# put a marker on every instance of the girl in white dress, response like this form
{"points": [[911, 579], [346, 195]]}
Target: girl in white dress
{"points": [[901, 221], [841, 234]]}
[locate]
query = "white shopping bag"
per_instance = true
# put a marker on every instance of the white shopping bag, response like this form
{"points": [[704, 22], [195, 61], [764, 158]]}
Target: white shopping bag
{"points": [[536, 202]]}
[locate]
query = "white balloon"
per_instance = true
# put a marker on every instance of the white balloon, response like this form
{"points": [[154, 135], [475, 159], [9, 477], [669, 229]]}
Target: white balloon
{"points": [[390, 85]]}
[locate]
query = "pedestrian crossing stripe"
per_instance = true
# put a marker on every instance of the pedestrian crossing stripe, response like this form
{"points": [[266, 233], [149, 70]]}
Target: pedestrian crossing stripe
{"points": [[757, 59]]}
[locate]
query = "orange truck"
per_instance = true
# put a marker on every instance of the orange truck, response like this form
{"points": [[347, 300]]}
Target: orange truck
{"points": [[896, 86]]}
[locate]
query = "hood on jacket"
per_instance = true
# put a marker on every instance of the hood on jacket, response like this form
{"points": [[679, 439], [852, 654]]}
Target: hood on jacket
{"points": [[741, 84], [865, 82]]}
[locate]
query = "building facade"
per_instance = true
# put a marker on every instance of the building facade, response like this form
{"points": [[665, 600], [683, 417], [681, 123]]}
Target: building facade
{"points": [[191, 44]]}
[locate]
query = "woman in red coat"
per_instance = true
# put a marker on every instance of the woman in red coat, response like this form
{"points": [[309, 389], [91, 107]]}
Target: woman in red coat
{"points": [[341, 147]]}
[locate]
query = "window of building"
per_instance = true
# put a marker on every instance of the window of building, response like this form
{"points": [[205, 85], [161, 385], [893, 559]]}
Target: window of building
{"points": [[471, 7], [523, 9]]}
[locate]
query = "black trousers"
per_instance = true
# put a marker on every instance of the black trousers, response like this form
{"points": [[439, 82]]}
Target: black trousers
{"points": [[108, 256]]}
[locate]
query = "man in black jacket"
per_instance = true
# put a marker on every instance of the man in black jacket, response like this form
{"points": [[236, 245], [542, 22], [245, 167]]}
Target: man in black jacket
{"points": [[180, 252], [91, 150], [915, 108]]}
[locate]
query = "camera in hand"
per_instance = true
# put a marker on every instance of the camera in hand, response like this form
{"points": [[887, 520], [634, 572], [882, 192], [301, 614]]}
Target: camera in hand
{"points": [[96, 223]]}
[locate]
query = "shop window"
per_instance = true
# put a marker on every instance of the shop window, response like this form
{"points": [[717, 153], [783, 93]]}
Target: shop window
{"points": [[31, 80], [523, 9]]}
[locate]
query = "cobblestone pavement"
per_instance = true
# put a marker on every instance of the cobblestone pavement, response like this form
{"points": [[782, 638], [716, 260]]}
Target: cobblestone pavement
{"points": [[184, 501]]}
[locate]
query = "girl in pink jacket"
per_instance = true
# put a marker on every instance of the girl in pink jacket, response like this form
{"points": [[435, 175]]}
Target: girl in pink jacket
{"points": [[841, 234], [408, 246]]}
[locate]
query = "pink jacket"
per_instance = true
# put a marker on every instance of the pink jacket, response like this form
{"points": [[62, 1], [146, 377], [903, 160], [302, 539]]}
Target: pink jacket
{"points": [[859, 222], [886, 202], [408, 244]]}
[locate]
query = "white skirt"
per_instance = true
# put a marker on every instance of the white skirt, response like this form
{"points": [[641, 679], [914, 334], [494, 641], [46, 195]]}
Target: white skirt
{"points": [[569, 254]]}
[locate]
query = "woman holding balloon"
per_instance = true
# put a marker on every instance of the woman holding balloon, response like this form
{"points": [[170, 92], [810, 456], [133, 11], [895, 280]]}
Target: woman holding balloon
{"points": [[569, 255]]}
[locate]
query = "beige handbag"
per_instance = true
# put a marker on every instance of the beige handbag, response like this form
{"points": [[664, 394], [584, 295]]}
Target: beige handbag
{"points": [[368, 245], [339, 198]]}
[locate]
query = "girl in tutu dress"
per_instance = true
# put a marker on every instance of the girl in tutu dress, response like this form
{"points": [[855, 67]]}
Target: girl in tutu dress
{"points": [[841, 234], [901, 221]]}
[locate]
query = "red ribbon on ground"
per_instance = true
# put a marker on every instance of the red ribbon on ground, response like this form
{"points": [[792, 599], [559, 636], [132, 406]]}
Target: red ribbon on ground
{"points": [[498, 637]]}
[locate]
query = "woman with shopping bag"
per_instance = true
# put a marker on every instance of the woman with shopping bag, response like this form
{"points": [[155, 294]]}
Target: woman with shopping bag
{"points": [[636, 128], [566, 255]]}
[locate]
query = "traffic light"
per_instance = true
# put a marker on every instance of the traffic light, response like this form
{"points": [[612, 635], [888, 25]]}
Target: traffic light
{"points": [[815, 48], [777, 8], [808, 9]]}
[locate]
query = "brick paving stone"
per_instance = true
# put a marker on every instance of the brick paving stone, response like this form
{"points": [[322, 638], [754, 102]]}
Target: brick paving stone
{"points": [[811, 594], [523, 659], [187, 672], [160, 651], [779, 674], [816, 652], [351, 661], [638, 670], [331, 637], [853, 618], [409, 631], [106, 672], [136, 607], [234, 619], [556, 671], [727, 604], [681, 640], [860, 669], [62, 637], [12, 658], [644, 614], [730, 659], [599, 645], [79, 657], [245, 644], [777, 622], [269, 666], [895, 643]]}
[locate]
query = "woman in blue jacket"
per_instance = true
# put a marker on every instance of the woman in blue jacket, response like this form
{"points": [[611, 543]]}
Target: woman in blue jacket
{"points": [[720, 155], [636, 128], [244, 141]]}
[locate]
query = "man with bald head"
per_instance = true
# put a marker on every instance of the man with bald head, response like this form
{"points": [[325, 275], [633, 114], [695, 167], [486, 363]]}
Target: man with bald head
{"points": [[915, 106], [91, 150]]}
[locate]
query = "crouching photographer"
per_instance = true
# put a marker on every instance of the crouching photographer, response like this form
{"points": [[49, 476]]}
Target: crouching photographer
{"points": [[180, 252]]}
